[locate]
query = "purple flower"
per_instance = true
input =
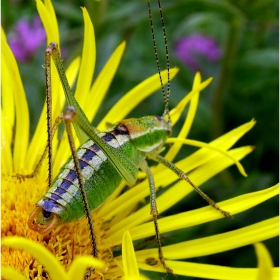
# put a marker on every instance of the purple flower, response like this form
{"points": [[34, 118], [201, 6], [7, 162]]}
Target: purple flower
{"points": [[190, 48], [26, 38]]}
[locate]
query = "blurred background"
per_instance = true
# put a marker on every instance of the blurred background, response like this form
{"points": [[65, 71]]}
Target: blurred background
{"points": [[235, 42]]}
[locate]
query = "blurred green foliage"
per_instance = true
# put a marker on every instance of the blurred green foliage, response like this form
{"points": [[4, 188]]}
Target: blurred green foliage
{"points": [[245, 86]]}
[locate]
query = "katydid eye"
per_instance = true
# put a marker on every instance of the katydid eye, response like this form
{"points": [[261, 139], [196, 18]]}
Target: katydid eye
{"points": [[47, 215]]}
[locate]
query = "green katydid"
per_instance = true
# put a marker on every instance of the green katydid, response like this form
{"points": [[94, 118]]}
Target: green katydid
{"points": [[100, 163]]}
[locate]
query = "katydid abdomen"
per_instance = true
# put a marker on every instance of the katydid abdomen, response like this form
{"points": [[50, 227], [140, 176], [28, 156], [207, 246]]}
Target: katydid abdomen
{"points": [[63, 202]]}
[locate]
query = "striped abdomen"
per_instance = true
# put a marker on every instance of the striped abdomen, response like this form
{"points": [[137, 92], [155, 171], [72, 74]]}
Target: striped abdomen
{"points": [[63, 201], [101, 178]]}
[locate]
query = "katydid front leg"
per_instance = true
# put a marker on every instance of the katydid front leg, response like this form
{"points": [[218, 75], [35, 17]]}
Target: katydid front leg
{"points": [[154, 212]]}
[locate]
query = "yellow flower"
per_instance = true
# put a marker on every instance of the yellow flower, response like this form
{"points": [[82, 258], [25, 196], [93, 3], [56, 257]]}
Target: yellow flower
{"points": [[120, 212]]}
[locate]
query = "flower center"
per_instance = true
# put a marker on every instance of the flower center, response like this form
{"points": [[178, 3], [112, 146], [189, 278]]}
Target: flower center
{"points": [[64, 242]]}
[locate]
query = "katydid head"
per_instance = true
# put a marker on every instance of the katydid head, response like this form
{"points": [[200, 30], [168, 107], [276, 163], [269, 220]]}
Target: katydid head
{"points": [[42, 221], [146, 133]]}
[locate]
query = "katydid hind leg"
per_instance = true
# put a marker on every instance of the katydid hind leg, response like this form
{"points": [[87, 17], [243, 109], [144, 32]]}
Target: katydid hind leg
{"points": [[68, 117], [124, 164]]}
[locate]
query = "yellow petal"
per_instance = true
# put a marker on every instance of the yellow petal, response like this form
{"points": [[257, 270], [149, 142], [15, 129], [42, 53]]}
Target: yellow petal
{"points": [[223, 142], [39, 140], [6, 155], [8, 102], [3, 34], [265, 263], [173, 151], [87, 62], [102, 82], [10, 273], [134, 97], [79, 267], [51, 12], [8, 121], [128, 255], [43, 255], [204, 214], [201, 145], [49, 21], [48, 18], [177, 111], [216, 243], [205, 154], [207, 271], [22, 115]]}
